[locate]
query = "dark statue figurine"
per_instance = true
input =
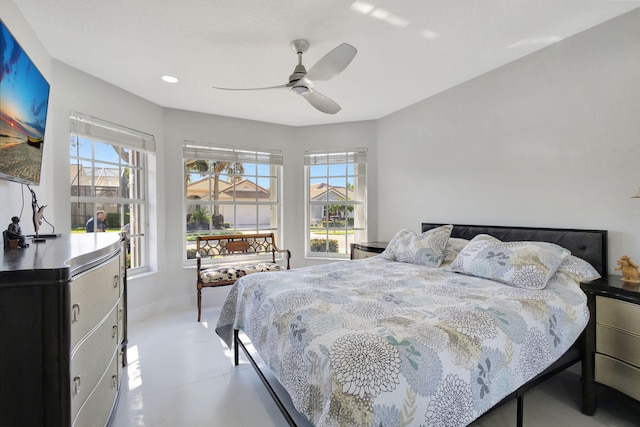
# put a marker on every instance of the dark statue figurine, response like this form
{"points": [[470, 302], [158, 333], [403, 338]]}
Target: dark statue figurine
{"points": [[15, 233]]}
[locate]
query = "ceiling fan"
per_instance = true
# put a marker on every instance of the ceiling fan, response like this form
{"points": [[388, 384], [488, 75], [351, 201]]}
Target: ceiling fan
{"points": [[302, 82]]}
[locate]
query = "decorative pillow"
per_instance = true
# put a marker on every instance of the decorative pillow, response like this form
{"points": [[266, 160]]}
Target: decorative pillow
{"points": [[222, 274], [454, 246], [522, 264], [388, 252], [424, 249], [579, 269]]}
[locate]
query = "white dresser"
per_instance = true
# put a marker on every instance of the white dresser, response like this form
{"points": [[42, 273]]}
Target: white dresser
{"points": [[74, 297]]}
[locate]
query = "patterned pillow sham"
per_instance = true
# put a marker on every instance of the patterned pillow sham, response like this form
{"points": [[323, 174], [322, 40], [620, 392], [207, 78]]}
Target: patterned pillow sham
{"points": [[454, 246], [423, 249], [579, 269], [526, 265]]}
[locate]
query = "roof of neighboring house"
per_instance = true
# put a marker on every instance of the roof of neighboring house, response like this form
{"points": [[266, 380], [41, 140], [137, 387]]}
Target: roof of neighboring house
{"points": [[244, 189], [104, 177], [317, 191]]}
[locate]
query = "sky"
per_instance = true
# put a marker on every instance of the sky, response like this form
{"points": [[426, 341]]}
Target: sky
{"points": [[24, 92]]}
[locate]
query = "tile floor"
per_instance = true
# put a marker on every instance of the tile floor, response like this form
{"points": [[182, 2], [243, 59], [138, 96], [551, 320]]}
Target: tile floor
{"points": [[180, 374]]}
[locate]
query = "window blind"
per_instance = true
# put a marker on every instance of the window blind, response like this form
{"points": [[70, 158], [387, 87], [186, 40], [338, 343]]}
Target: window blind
{"points": [[330, 157], [202, 151], [111, 133]]}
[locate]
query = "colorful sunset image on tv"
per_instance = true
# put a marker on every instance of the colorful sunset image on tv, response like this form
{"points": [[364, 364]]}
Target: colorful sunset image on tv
{"points": [[24, 95]]}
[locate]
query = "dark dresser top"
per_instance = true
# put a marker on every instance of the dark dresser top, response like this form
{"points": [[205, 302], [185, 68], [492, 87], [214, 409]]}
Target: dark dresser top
{"points": [[612, 285], [57, 259], [371, 245]]}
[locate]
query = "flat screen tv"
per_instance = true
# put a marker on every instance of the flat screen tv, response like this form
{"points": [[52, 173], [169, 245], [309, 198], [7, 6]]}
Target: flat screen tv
{"points": [[24, 98]]}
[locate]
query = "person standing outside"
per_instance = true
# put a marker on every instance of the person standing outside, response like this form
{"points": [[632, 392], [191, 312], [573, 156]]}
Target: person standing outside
{"points": [[100, 225]]}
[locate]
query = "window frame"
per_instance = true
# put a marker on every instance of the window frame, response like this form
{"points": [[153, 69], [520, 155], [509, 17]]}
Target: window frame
{"points": [[255, 157], [140, 146], [357, 159]]}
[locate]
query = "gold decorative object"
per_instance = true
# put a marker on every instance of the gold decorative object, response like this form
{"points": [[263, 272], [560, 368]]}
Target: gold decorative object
{"points": [[629, 270]]}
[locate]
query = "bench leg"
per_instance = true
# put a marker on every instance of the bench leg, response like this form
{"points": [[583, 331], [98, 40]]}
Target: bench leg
{"points": [[199, 286]]}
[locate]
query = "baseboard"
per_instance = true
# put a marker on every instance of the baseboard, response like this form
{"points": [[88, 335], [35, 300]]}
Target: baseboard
{"points": [[211, 298]]}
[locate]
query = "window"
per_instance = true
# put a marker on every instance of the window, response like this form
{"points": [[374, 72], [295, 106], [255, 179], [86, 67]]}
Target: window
{"points": [[336, 193], [230, 191], [108, 170]]}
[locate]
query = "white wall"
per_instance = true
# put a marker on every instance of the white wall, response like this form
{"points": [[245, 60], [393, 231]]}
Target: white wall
{"points": [[551, 140]]}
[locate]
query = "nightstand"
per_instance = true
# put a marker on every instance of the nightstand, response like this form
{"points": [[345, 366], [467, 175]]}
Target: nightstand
{"points": [[611, 357], [367, 249]]}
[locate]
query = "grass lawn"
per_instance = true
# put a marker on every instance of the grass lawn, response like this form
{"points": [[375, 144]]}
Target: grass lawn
{"points": [[331, 231]]}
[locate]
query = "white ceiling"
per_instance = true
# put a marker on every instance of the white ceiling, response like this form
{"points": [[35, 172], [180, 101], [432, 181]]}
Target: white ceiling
{"points": [[407, 50]]}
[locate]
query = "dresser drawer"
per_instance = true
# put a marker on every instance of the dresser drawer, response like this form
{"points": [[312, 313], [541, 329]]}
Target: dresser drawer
{"points": [[619, 344], [618, 314], [617, 374], [91, 358], [98, 407], [93, 295]]}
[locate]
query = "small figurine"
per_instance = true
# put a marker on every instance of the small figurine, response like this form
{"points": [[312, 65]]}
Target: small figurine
{"points": [[629, 270], [15, 233], [38, 211]]}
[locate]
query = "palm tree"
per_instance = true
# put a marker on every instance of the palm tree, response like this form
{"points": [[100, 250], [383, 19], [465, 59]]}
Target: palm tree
{"points": [[235, 170]]}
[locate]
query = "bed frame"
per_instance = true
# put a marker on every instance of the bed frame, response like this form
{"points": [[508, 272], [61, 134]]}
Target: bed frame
{"points": [[590, 245]]}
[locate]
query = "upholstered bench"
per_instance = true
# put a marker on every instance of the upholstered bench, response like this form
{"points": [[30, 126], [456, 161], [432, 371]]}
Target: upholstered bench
{"points": [[226, 245]]}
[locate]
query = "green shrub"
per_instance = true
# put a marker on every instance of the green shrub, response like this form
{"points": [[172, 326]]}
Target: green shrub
{"points": [[320, 245], [113, 220], [198, 220]]}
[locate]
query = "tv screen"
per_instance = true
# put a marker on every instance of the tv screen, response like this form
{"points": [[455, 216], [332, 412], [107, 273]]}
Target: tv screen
{"points": [[24, 97]]}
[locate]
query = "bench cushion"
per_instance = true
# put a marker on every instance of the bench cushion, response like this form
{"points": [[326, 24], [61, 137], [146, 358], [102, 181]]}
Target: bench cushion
{"points": [[226, 273]]}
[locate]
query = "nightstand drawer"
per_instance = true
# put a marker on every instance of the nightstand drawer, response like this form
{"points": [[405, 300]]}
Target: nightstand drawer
{"points": [[367, 249], [619, 344], [360, 254], [617, 374], [618, 314]]}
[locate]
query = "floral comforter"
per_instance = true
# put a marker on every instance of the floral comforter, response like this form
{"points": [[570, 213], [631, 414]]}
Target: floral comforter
{"points": [[382, 343]]}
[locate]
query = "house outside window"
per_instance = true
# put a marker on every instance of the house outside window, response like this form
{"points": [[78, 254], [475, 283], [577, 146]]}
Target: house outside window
{"points": [[336, 208], [229, 190], [108, 170]]}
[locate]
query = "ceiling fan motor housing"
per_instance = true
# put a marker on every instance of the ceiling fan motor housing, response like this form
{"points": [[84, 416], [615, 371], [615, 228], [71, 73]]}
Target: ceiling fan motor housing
{"points": [[298, 73]]}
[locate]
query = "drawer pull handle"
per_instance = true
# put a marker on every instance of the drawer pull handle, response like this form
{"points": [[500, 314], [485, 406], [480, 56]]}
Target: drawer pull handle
{"points": [[116, 281], [114, 381], [76, 385], [114, 331], [75, 313]]}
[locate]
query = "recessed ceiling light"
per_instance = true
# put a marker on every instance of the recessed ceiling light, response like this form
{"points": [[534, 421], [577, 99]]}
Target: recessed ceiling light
{"points": [[169, 79]]}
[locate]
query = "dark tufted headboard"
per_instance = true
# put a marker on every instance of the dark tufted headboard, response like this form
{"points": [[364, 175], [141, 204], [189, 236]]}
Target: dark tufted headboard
{"points": [[590, 245]]}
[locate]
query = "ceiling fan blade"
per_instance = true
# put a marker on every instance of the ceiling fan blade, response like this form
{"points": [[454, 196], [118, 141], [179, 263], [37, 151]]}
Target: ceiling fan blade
{"points": [[251, 88], [321, 102], [332, 63]]}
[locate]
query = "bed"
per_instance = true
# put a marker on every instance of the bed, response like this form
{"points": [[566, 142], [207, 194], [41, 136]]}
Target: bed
{"points": [[398, 341]]}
